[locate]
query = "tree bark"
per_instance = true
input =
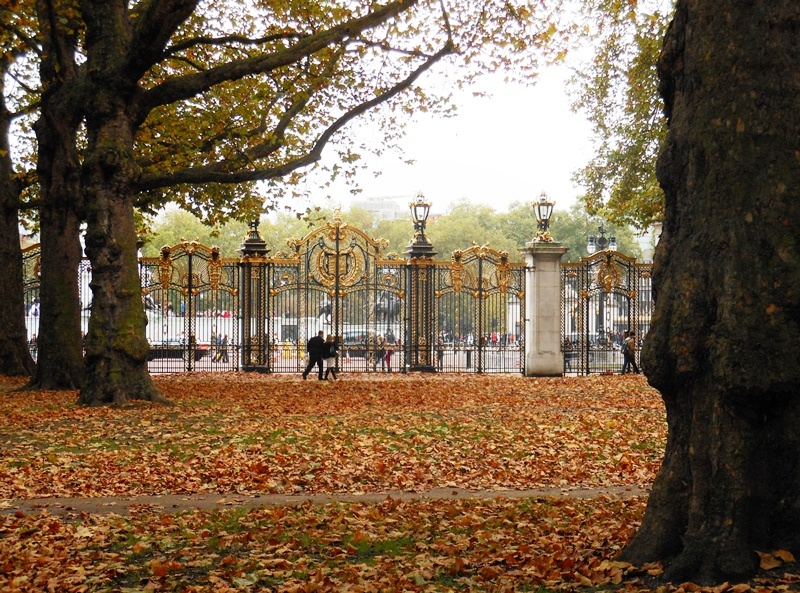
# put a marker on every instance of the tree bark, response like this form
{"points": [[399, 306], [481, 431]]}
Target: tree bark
{"points": [[59, 362], [723, 347], [60, 354], [116, 344], [15, 356]]}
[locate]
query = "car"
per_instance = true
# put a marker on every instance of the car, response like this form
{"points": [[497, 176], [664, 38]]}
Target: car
{"points": [[175, 349]]}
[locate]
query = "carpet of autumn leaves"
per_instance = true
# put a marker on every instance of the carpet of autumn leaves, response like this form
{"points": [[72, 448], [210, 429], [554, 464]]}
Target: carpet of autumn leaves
{"points": [[247, 434], [259, 435]]}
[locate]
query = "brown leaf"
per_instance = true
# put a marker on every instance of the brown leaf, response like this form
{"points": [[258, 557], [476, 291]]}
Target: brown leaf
{"points": [[768, 561], [784, 555]]}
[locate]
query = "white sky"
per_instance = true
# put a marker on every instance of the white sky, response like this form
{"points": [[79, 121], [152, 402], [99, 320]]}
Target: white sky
{"points": [[497, 150]]}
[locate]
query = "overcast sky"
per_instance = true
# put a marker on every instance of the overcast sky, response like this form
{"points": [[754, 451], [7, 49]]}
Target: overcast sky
{"points": [[498, 150]]}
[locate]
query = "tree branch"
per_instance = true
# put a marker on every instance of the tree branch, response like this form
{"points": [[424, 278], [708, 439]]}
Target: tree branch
{"points": [[185, 87], [240, 39], [219, 173], [152, 30]]}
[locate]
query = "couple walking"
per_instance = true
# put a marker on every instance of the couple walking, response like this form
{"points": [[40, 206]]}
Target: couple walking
{"points": [[321, 350]]}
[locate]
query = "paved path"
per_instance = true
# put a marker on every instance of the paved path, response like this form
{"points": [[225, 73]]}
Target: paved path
{"points": [[172, 503]]}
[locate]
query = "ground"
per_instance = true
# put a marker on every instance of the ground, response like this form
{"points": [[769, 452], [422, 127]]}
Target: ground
{"points": [[372, 483]]}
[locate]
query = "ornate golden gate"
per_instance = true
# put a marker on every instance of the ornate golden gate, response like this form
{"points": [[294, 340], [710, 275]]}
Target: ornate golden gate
{"points": [[340, 281], [603, 296], [480, 312], [256, 312], [191, 298]]}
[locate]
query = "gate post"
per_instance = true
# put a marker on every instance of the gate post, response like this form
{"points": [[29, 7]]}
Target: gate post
{"points": [[254, 302], [543, 356], [420, 324]]}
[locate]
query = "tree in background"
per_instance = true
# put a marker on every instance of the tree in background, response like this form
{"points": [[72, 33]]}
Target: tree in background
{"points": [[618, 90], [175, 226], [15, 356], [457, 229], [722, 348]]}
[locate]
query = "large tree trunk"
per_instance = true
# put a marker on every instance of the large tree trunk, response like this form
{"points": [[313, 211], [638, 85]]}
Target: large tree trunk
{"points": [[723, 348], [15, 357], [60, 354], [116, 344]]}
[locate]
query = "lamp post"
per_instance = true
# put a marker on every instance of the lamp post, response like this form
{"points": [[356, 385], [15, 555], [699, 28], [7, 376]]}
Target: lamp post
{"points": [[419, 245], [544, 210], [600, 243], [254, 301], [420, 325]]}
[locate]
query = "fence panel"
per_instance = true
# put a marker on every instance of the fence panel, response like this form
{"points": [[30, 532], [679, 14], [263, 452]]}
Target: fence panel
{"points": [[31, 280], [337, 280], [603, 296], [191, 298], [480, 313]]}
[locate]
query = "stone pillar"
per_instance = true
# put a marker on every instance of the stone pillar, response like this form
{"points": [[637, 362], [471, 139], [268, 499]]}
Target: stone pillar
{"points": [[543, 356]]}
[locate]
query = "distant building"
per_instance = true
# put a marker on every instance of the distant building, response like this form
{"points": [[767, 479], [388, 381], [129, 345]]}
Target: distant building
{"points": [[384, 208]]}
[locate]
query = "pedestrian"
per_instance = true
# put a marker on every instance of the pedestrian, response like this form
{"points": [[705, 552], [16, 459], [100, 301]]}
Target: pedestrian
{"points": [[440, 352], [223, 348], [380, 354], [569, 353], [389, 350], [216, 342], [629, 352], [32, 344], [314, 348], [329, 356]]}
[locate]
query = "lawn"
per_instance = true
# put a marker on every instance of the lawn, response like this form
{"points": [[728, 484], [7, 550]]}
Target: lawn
{"points": [[252, 435]]}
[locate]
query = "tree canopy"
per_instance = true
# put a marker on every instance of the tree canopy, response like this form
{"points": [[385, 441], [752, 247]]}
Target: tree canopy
{"points": [[618, 89]]}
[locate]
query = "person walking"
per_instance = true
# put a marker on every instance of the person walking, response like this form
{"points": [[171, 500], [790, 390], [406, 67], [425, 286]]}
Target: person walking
{"points": [[629, 352], [389, 350], [224, 348], [329, 356], [380, 354], [221, 354], [569, 354], [314, 348]]}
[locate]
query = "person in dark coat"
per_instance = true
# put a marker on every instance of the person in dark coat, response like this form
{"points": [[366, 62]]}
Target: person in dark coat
{"points": [[315, 348]]}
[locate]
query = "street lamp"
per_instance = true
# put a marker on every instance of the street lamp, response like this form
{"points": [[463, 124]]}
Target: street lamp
{"points": [[601, 243], [544, 210], [420, 245]]}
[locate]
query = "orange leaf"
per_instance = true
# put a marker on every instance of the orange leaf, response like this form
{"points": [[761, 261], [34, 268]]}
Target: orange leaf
{"points": [[768, 561], [159, 568]]}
